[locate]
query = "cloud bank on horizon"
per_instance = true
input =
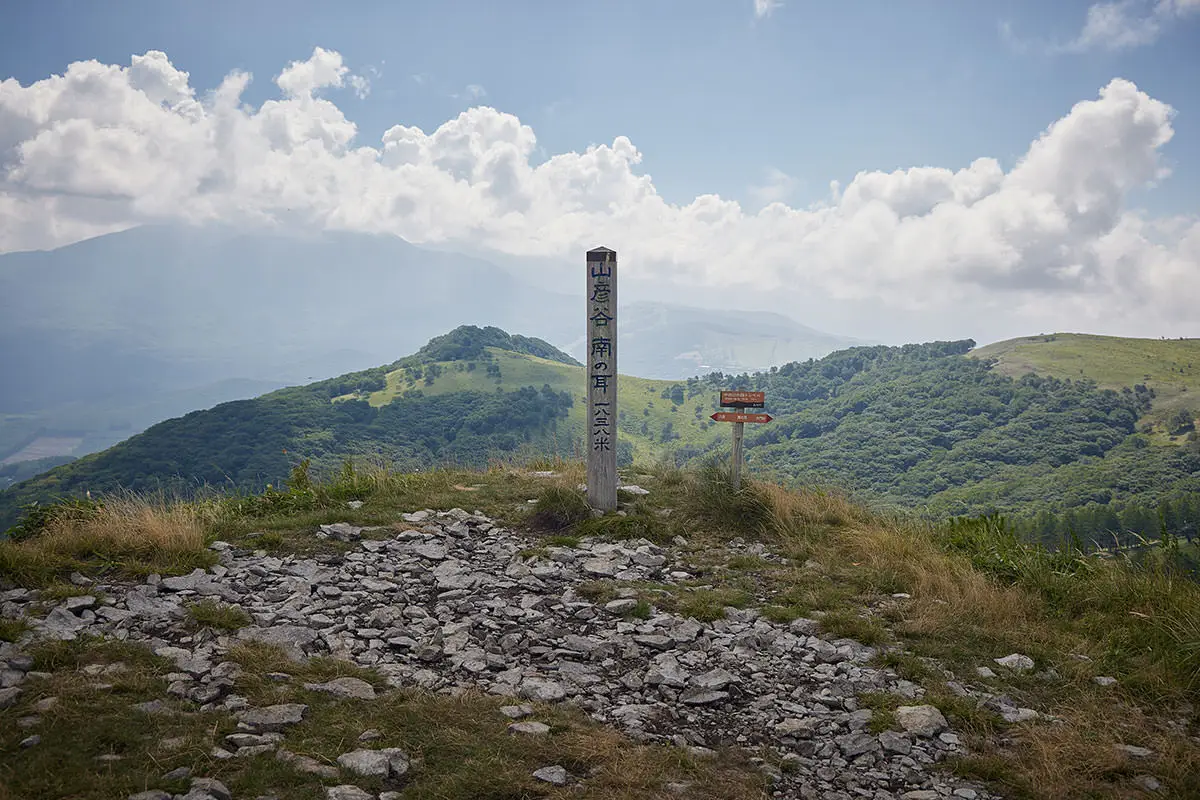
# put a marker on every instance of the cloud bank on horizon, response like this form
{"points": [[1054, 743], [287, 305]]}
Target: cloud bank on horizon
{"points": [[105, 147]]}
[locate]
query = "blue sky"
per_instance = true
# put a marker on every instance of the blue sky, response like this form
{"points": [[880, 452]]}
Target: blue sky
{"points": [[713, 95], [754, 102]]}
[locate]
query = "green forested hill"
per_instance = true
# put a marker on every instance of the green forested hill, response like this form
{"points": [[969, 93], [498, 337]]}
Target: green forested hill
{"points": [[923, 427], [470, 396], [934, 428], [1168, 368]]}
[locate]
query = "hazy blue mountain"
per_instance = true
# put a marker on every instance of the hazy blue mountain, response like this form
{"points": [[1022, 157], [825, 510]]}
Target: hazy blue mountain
{"points": [[102, 338]]}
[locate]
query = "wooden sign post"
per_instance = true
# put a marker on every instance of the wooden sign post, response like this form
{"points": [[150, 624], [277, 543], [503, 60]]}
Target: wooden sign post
{"points": [[740, 400], [602, 378]]}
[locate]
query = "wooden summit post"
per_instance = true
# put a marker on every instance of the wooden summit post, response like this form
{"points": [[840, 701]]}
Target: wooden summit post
{"points": [[602, 378]]}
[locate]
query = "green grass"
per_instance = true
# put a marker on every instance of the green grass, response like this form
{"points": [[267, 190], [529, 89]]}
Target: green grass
{"points": [[844, 622], [1169, 366], [12, 629], [214, 614]]}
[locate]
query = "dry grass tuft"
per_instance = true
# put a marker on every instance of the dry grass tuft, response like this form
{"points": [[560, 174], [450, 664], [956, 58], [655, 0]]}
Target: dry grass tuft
{"points": [[128, 534], [807, 512]]}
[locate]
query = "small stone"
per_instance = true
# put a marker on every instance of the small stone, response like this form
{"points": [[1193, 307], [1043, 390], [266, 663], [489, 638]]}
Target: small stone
{"points": [[152, 707], [555, 775], [985, 672], [355, 504], [210, 787], [390, 762], [152, 794], [30, 741], [924, 721], [529, 728], [347, 792], [620, 607], [797, 726], [79, 603], [307, 765], [370, 735], [272, 718], [702, 697], [1016, 662], [45, 704], [178, 774], [516, 712], [894, 742], [1135, 751], [542, 690], [1104, 680], [1015, 715], [350, 688], [920, 794], [1148, 783], [966, 793], [9, 696], [714, 679]]}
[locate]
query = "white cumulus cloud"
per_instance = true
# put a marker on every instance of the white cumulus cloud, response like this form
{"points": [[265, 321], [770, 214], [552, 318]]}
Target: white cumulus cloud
{"points": [[104, 147], [1125, 24]]}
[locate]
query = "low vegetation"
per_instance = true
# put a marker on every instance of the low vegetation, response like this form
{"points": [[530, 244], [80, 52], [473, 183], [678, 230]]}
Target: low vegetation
{"points": [[221, 616], [125, 535]]}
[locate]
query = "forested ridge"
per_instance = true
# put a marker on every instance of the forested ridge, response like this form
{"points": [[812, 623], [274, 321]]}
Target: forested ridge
{"points": [[247, 444], [921, 427]]}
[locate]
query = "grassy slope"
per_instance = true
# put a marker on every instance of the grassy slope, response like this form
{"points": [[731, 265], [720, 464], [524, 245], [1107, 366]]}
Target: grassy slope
{"points": [[1169, 366], [974, 595], [640, 399]]}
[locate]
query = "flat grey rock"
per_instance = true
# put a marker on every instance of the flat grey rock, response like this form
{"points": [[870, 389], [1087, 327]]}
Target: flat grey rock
{"points": [[347, 792], [542, 690], [390, 762], [349, 688], [9, 696], [555, 775], [529, 728], [272, 718], [1017, 662], [926, 721]]}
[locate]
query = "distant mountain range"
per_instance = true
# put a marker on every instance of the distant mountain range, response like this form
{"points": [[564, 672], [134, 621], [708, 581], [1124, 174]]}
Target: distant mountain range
{"points": [[102, 338]]}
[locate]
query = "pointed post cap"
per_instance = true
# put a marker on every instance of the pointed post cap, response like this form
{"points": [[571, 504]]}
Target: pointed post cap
{"points": [[601, 254]]}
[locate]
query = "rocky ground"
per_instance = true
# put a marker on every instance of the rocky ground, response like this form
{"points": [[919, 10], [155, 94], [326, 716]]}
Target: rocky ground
{"points": [[450, 602]]}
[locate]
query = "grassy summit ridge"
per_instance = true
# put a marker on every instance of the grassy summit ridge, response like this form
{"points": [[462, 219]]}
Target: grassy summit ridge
{"points": [[974, 594]]}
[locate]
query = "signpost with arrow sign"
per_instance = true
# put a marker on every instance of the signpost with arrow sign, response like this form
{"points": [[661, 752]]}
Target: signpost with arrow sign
{"points": [[740, 400]]}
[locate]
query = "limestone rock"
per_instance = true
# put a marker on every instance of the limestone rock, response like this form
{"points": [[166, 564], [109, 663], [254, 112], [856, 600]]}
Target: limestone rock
{"points": [[347, 792], [391, 762], [1017, 662], [926, 721], [555, 775], [272, 718], [352, 688]]}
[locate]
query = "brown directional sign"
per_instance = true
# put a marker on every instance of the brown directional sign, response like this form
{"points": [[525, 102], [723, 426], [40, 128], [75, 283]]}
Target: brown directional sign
{"points": [[733, 416], [743, 399]]}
